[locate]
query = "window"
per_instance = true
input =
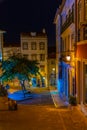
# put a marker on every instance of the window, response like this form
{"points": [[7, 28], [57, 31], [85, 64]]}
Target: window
{"points": [[42, 45], [25, 45], [62, 45], [33, 45], [65, 45], [85, 33], [52, 62], [25, 55], [79, 11], [42, 57], [34, 56], [85, 10], [73, 8], [72, 41], [42, 67], [68, 42]]}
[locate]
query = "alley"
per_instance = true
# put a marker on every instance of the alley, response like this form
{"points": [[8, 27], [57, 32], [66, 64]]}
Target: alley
{"points": [[40, 114]]}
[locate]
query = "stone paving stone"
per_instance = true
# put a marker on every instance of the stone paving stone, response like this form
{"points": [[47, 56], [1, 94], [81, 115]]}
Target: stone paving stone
{"points": [[41, 114]]}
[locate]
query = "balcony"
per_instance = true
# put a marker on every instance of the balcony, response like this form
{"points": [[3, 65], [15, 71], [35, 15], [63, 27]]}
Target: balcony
{"points": [[68, 22]]}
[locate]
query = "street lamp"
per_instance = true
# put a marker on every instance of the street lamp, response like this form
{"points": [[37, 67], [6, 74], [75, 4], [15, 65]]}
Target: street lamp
{"points": [[68, 57]]}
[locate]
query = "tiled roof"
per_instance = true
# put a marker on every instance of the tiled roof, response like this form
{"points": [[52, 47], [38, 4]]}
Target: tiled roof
{"points": [[11, 45]]}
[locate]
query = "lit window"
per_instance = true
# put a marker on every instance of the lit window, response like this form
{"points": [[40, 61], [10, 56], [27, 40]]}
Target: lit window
{"points": [[52, 62], [25, 45], [42, 45], [34, 57], [33, 45], [42, 67], [42, 57]]}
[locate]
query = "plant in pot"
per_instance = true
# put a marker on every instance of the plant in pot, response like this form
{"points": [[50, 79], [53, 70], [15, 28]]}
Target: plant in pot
{"points": [[72, 100]]}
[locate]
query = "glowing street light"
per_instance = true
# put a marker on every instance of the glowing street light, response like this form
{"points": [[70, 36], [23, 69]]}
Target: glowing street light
{"points": [[68, 57]]}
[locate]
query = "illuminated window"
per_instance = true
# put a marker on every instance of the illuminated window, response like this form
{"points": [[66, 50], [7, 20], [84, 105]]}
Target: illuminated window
{"points": [[33, 45], [42, 67], [42, 57], [60, 72], [34, 56], [42, 45], [25, 45]]}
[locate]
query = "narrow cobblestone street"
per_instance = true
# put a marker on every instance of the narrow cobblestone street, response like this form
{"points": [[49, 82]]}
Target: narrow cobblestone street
{"points": [[40, 114]]}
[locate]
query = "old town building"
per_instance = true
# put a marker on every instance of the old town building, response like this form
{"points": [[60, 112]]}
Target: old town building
{"points": [[34, 47], [65, 48], [81, 55]]}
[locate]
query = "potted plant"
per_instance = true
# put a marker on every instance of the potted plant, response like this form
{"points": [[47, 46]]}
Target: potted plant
{"points": [[72, 100]]}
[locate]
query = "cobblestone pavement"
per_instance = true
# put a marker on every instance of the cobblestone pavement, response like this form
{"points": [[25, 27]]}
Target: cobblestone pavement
{"points": [[39, 99], [41, 114]]}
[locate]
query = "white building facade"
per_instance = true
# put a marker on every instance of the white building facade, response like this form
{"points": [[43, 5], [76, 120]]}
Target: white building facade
{"points": [[34, 47]]}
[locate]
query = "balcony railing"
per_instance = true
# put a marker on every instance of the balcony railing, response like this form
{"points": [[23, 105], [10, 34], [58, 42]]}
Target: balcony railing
{"points": [[68, 22]]}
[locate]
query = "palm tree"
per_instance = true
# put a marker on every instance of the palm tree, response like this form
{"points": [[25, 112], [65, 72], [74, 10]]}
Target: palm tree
{"points": [[20, 67]]}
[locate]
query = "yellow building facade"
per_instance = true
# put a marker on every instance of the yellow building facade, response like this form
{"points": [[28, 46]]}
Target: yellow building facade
{"points": [[81, 55]]}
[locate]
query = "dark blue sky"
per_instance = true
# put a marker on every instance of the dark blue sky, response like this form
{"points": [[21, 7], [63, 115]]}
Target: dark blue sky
{"points": [[27, 15]]}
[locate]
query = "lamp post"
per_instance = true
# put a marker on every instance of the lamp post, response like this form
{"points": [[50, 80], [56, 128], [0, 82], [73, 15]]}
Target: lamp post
{"points": [[68, 58]]}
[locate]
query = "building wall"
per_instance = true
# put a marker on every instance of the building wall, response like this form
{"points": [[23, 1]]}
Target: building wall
{"points": [[34, 47], [65, 41], [9, 51], [58, 44], [81, 54]]}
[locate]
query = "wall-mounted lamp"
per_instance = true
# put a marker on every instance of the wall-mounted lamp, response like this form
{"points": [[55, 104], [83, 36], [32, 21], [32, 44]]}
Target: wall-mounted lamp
{"points": [[53, 69], [68, 57]]}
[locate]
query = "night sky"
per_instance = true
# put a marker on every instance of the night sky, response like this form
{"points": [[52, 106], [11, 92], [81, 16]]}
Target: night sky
{"points": [[27, 16]]}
